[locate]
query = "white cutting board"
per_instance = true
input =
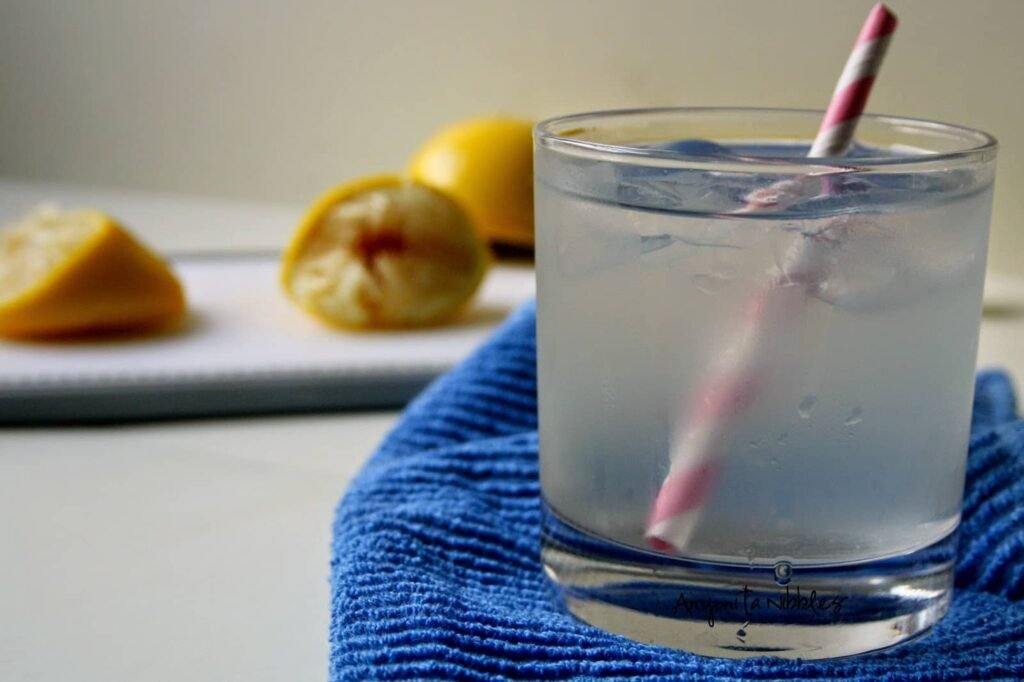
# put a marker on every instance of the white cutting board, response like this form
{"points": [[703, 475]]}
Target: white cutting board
{"points": [[245, 348]]}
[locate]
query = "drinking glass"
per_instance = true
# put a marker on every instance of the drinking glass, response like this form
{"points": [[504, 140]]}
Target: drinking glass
{"points": [[755, 374]]}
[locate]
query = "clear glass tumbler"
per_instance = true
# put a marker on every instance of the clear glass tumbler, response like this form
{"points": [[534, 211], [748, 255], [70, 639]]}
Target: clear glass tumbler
{"points": [[755, 374]]}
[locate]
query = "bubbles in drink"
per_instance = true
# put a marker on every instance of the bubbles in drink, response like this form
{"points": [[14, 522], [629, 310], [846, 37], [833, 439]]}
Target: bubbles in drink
{"points": [[806, 406], [707, 284], [856, 417], [654, 242]]}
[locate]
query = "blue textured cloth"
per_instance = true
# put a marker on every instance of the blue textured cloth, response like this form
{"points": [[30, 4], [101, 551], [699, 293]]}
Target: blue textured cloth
{"points": [[436, 575]]}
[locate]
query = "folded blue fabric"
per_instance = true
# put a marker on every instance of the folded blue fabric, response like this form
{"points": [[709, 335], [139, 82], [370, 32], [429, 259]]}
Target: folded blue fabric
{"points": [[436, 573]]}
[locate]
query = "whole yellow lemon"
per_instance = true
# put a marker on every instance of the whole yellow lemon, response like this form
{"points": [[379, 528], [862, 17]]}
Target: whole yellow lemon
{"points": [[487, 165]]}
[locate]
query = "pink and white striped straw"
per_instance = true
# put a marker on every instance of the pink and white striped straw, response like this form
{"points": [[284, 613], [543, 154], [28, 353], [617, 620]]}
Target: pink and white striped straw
{"points": [[699, 448], [854, 85]]}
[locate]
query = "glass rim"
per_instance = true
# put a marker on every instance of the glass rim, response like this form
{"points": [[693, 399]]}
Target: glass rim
{"points": [[551, 132]]}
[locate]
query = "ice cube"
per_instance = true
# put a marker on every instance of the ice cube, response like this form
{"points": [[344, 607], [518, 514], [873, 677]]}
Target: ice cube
{"points": [[582, 253], [871, 263], [851, 261], [679, 189]]}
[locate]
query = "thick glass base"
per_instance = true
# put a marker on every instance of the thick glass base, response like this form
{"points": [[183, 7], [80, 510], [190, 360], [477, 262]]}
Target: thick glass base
{"points": [[739, 611]]}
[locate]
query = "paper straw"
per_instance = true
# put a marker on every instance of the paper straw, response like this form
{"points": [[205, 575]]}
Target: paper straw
{"points": [[699, 450], [854, 85]]}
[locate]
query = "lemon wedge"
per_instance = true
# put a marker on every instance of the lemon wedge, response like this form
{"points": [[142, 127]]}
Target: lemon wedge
{"points": [[74, 272], [384, 253]]}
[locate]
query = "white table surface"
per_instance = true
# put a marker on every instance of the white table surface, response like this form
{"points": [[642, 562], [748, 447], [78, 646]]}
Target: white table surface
{"points": [[199, 550]]}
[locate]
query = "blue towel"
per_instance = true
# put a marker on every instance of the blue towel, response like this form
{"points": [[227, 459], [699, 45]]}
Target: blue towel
{"points": [[435, 571]]}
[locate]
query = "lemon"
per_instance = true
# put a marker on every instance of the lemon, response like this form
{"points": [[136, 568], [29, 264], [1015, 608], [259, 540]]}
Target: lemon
{"points": [[64, 273], [487, 165], [383, 253]]}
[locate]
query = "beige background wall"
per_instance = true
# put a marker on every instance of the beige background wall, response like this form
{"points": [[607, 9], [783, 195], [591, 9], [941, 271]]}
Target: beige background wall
{"points": [[275, 100]]}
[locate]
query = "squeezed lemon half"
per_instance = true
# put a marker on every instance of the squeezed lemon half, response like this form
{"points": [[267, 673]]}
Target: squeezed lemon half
{"points": [[384, 253], [487, 165], [73, 272]]}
